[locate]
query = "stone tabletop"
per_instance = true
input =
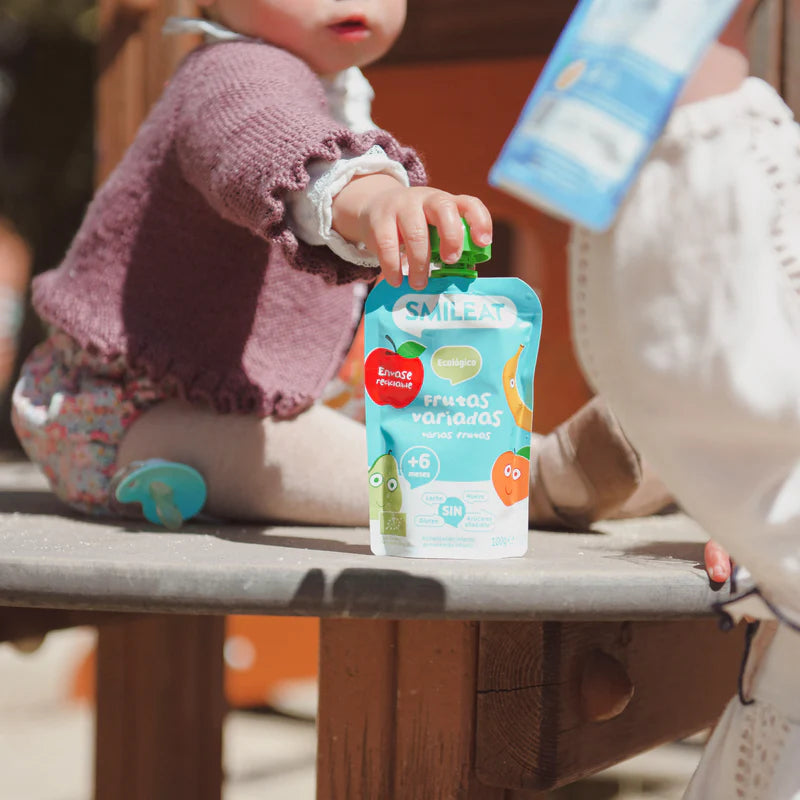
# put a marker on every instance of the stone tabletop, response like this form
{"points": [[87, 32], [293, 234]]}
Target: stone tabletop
{"points": [[637, 569]]}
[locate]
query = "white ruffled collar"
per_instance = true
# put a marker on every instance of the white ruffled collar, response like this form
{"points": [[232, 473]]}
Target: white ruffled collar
{"points": [[212, 31]]}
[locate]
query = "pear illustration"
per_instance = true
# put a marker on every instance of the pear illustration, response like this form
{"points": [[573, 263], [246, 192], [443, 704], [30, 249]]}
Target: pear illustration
{"points": [[523, 415], [384, 486]]}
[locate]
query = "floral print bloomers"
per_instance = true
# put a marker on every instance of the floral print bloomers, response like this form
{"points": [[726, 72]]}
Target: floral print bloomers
{"points": [[70, 410]]}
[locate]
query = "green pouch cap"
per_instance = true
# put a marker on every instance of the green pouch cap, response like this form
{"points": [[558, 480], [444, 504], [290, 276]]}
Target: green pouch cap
{"points": [[471, 255]]}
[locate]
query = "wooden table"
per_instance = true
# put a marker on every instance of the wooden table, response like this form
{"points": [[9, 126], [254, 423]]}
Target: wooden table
{"points": [[439, 679]]}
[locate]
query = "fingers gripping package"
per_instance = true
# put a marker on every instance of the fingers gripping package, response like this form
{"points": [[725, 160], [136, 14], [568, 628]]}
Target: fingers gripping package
{"points": [[449, 380], [602, 100]]}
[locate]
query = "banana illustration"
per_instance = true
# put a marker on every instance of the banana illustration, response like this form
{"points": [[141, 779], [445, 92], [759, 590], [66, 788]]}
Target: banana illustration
{"points": [[523, 415]]}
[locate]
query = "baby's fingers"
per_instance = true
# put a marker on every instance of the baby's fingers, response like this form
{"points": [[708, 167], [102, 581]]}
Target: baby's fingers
{"points": [[442, 212], [386, 246], [478, 218], [414, 229], [717, 562]]}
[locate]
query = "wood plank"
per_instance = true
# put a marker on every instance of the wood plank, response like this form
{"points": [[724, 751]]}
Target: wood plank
{"points": [[766, 42], [51, 559], [160, 709], [134, 60], [791, 55], [355, 727], [396, 714], [473, 29], [537, 681], [436, 683]]}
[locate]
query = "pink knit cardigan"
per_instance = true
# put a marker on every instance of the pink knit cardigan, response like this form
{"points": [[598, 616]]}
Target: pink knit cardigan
{"points": [[184, 263]]}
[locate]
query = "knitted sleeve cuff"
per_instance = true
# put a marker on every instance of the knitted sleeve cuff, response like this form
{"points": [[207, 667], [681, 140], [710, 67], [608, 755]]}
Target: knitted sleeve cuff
{"points": [[311, 210]]}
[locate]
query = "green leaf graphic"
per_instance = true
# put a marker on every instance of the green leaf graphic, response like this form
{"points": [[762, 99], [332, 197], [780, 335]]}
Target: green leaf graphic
{"points": [[410, 349], [525, 452]]}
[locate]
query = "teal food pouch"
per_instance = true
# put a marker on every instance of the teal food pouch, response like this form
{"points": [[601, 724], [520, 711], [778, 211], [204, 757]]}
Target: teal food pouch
{"points": [[449, 411], [602, 100]]}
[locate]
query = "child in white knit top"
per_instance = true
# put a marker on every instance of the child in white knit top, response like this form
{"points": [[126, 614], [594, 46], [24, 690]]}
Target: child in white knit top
{"points": [[699, 275]]}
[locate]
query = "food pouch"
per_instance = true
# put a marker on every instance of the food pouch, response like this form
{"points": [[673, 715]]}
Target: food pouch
{"points": [[449, 410], [601, 102]]}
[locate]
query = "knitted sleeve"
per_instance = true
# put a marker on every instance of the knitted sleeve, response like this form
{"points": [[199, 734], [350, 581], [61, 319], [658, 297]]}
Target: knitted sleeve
{"points": [[249, 119]]}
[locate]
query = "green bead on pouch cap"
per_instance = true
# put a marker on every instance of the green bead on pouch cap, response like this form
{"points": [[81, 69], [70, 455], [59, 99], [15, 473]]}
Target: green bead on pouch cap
{"points": [[471, 255]]}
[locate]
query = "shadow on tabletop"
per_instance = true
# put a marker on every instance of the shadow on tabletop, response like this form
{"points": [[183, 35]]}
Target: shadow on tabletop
{"points": [[371, 592], [31, 501]]}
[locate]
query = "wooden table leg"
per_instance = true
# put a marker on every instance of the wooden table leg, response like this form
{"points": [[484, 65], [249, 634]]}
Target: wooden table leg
{"points": [[397, 711], [160, 709]]}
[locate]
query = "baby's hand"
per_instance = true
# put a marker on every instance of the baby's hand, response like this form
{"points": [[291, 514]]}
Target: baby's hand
{"points": [[384, 214]]}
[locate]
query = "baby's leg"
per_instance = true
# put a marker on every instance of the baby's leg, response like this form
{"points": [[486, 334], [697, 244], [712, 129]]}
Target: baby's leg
{"points": [[587, 470], [311, 469]]}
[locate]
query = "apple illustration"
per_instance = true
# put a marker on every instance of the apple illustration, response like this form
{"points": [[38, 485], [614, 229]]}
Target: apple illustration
{"points": [[394, 377], [510, 475]]}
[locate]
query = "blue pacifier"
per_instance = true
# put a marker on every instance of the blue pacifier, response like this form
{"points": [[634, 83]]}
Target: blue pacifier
{"points": [[169, 493]]}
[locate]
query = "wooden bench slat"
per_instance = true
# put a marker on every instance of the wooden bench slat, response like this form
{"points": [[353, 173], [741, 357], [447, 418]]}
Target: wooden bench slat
{"points": [[639, 569]]}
